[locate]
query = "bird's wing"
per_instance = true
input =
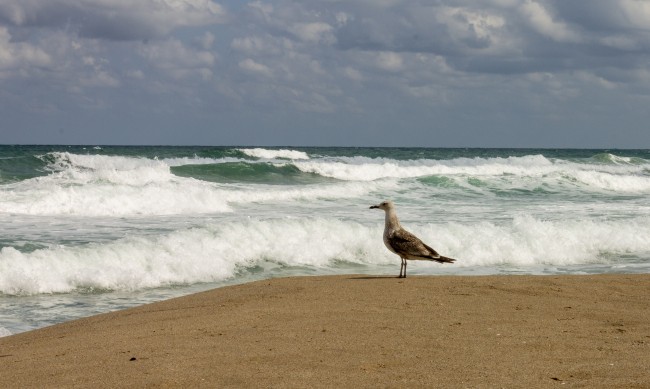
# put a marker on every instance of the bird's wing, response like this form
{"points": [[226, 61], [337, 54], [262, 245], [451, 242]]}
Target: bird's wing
{"points": [[406, 244], [431, 251]]}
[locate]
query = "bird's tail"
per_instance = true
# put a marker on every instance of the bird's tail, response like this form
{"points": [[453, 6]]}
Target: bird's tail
{"points": [[443, 259]]}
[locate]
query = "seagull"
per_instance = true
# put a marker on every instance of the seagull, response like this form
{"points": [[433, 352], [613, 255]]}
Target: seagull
{"points": [[405, 244]]}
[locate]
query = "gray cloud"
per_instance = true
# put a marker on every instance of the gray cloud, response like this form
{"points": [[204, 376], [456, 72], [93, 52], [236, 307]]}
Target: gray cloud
{"points": [[509, 36], [112, 19], [425, 66]]}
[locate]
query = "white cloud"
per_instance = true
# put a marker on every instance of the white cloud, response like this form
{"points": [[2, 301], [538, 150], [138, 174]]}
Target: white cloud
{"points": [[621, 42], [481, 30], [317, 32], [256, 68], [262, 10], [249, 44], [96, 74], [178, 60], [636, 13], [352, 73], [542, 21], [262, 45], [20, 56], [389, 61], [343, 18]]}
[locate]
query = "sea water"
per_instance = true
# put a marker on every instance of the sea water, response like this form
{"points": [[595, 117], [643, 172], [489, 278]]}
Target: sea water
{"points": [[92, 229]]}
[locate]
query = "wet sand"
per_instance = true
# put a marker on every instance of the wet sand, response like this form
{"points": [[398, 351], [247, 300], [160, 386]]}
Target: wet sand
{"points": [[356, 331]]}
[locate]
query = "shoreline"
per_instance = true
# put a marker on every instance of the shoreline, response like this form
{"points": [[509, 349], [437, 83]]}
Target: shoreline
{"points": [[356, 330]]}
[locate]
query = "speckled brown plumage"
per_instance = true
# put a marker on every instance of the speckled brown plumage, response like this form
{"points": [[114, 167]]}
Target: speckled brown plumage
{"points": [[404, 243]]}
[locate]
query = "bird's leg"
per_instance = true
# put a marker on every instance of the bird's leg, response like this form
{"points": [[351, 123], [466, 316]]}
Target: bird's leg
{"points": [[402, 268]]}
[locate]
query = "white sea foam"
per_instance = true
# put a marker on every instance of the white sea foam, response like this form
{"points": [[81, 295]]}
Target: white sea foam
{"points": [[196, 255], [221, 251], [75, 169], [65, 160], [370, 169], [166, 198], [181, 161], [97, 185], [610, 177], [629, 183], [175, 197], [109, 186], [122, 186], [116, 186], [531, 241], [273, 193], [4, 332], [275, 154]]}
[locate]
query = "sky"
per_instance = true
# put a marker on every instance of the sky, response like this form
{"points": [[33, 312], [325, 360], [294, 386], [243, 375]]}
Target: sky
{"points": [[439, 73]]}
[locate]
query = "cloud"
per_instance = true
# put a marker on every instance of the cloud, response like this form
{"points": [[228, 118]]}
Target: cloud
{"points": [[20, 56], [317, 32], [415, 27], [637, 13], [265, 44], [255, 68], [96, 74], [371, 58], [389, 61], [541, 21], [120, 20], [352, 73], [207, 40], [178, 60]]}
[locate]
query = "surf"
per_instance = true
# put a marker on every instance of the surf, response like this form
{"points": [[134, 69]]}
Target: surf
{"points": [[221, 251]]}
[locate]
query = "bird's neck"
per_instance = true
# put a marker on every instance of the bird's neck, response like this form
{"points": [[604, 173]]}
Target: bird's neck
{"points": [[392, 222]]}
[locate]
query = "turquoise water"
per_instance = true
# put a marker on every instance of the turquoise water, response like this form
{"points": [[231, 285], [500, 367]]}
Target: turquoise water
{"points": [[92, 229]]}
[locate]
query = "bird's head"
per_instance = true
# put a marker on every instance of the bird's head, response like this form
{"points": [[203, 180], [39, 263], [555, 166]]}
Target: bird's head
{"points": [[385, 205]]}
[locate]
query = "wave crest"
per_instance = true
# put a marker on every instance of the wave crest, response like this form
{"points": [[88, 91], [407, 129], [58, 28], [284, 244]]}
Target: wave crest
{"points": [[275, 154], [502, 173], [122, 186], [223, 251]]}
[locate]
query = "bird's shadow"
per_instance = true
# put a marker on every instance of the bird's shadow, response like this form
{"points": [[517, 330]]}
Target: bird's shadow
{"points": [[373, 278]]}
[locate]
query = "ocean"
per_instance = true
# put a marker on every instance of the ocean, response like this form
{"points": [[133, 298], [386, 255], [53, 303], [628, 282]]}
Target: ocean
{"points": [[94, 229]]}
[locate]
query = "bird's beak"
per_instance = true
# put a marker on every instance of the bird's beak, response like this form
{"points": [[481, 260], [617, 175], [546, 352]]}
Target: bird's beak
{"points": [[374, 206]]}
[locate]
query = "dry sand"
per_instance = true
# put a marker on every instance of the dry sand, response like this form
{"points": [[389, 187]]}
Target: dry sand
{"points": [[356, 331]]}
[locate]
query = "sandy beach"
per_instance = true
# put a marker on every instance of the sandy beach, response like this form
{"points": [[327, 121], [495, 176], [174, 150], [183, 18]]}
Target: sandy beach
{"points": [[356, 331]]}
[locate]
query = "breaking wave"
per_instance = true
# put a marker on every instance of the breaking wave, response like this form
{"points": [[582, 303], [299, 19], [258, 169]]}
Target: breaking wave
{"points": [[223, 251]]}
